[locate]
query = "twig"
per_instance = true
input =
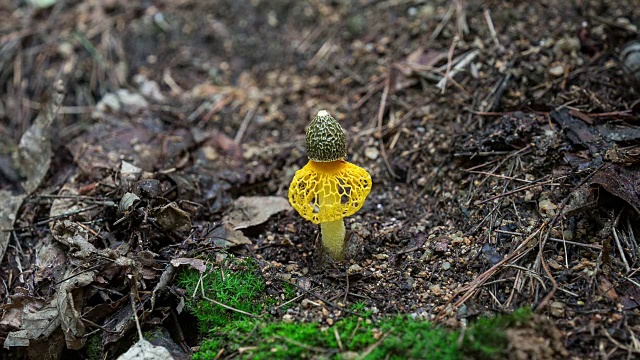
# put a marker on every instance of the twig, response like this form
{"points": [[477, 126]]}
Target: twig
{"points": [[383, 104], [442, 24], [135, 314], [245, 124], [225, 306], [442, 84], [492, 30], [620, 249], [373, 346], [337, 336], [470, 289], [346, 291]]}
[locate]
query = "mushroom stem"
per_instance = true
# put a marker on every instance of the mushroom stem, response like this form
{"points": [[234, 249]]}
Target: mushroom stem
{"points": [[333, 237]]}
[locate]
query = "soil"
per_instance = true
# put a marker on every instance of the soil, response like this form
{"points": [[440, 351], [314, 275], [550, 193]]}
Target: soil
{"points": [[501, 138]]}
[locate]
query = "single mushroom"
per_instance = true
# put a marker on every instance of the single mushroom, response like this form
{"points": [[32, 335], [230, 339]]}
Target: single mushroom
{"points": [[328, 188]]}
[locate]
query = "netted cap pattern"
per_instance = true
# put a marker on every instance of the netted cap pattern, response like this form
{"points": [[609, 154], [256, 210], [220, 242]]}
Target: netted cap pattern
{"points": [[325, 139], [328, 191]]}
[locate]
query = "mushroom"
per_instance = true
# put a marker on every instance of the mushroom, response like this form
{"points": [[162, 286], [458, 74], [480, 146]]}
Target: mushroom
{"points": [[328, 188]]}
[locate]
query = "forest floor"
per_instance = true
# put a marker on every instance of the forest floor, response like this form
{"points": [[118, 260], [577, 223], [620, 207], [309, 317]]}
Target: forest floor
{"points": [[502, 140]]}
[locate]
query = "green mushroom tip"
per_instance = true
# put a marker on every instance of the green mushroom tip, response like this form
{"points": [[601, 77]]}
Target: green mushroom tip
{"points": [[325, 139]]}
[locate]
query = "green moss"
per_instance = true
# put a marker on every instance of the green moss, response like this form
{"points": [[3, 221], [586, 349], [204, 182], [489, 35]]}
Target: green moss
{"points": [[392, 337], [93, 347], [486, 337], [242, 289]]}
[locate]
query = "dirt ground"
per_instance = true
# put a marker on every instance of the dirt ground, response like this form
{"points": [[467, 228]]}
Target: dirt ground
{"points": [[502, 139]]}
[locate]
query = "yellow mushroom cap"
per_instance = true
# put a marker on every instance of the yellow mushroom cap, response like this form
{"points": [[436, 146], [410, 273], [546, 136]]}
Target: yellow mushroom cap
{"points": [[329, 191]]}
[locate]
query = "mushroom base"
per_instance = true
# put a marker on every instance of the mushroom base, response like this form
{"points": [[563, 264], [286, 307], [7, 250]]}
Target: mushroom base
{"points": [[333, 233]]}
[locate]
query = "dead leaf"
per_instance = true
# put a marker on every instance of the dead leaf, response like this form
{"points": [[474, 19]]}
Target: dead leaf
{"points": [[197, 264], [38, 321], [171, 217], [165, 279], [34, 152], [74, 236], [608, 290], [8, 212], [50, 260], [70, 303], [621, 182], [255, 210], [144, 350], [225, 236]]}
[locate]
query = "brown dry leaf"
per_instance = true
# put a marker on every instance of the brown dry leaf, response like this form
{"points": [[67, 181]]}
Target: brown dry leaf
{"points": [[621, 182], [255, 210], [34, 152], [608, 290], [225, 236], [50, 260], [74, 236], [144, 350], [8, 212], [38, 320], [119, 323], [197, 264], [171, 217], [70, 303]]}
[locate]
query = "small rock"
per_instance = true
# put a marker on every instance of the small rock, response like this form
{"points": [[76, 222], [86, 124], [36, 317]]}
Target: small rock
{"points": [[350, 355], [446, 265], [381, 256], [371, 152], [287, 319], [441, 246], [435, 289], [557, 70], [490, 253], [630, 56], [557, 309], [547, 207], [209, 152], [428, 254], [330, 321], [354, 269]]}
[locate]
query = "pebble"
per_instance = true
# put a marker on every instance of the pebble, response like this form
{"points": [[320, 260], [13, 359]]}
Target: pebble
{"points": [[630, 56], [546, 206], [287, 319], [371, 152], [446, 265], [557, 70], [435, 289], [557, 309], [354, 269]]}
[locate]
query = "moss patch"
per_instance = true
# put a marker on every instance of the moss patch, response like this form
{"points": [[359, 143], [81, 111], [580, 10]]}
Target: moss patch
{"points": [[238, 284]]}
